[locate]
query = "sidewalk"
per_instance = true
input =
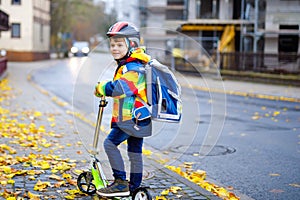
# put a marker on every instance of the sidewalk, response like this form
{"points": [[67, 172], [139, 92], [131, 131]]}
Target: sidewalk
{"points": [[55, 132]]}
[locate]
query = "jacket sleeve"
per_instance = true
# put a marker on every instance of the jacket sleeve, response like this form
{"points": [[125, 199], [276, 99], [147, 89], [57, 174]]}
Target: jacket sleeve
{"points": [[125, 86]]}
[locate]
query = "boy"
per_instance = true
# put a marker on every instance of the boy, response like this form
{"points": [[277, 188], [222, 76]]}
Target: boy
{"points": [[130, 120]]}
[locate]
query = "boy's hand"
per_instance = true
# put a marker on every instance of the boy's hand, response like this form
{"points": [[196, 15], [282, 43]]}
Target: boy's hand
{"points": [[99, 89], [97, 94]]}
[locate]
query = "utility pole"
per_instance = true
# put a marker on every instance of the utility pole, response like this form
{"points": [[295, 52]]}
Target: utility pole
{"points": [[256, 36], [256, 7], [242, 26]]}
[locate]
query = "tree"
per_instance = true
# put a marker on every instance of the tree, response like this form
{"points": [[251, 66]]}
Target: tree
{"points": [[76, 20]]}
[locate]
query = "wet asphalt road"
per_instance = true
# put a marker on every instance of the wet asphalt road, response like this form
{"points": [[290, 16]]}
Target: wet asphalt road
{"points": [[258, 149]]}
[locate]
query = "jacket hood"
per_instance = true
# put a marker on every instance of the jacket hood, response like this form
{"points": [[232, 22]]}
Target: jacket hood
{"points": [[139, 53]]}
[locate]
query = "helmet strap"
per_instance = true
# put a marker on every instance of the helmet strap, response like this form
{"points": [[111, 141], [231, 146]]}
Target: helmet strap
{"points": [[127, 41]]}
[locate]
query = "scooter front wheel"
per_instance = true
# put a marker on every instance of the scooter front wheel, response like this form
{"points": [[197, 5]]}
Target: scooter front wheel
{"points": [[141, 194], [85, 184]]}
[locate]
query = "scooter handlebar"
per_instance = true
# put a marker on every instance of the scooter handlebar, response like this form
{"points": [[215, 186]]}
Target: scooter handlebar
{"points": [[103, 102]]}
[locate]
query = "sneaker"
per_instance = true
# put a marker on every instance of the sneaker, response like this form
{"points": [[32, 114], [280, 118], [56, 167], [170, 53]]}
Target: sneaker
{"points": [[118, 188]]}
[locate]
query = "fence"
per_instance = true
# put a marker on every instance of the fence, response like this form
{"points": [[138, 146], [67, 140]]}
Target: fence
{"points": [[201, 54], [287, 63]]}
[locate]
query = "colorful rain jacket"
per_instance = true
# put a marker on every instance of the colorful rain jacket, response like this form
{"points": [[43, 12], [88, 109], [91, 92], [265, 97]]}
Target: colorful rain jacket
{"points": [[127, 88]]}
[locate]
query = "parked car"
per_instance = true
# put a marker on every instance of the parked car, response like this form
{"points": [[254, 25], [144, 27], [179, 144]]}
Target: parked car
{"points": [[80, 48]]}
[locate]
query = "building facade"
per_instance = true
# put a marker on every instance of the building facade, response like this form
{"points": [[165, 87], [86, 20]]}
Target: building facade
{"points": [[259, 27], [282, 27], [29, 36]]}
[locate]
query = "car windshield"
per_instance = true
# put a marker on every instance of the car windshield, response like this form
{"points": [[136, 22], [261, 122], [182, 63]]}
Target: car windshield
{"points": [[80, 44]]}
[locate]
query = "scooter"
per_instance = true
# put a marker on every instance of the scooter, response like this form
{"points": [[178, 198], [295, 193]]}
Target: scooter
{"points": [[90, 181]]}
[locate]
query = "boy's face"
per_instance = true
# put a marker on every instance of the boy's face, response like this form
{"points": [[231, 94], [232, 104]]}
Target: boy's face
{"points": [[118, 47]]}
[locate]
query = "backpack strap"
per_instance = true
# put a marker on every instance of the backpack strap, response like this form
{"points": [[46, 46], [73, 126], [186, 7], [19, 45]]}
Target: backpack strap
{"points": [[149, 107], [134, 66]]}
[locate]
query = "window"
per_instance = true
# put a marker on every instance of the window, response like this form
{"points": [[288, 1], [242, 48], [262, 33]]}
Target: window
{"points": [[207, 9], [16, 2], [15, 30], [288, 43], [42, 33]]}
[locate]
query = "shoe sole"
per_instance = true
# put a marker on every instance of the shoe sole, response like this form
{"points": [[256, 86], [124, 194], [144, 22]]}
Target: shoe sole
{"points": [[117, 194]]}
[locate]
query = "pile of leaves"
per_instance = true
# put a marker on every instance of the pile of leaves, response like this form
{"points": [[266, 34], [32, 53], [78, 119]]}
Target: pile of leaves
{"points": [[199, 177], [27, 152]]}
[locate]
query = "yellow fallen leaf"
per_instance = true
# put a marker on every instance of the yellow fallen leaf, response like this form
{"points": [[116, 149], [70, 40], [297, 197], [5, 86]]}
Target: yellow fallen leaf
{"points": [[163, 160], [206, 186], [256, 117], [6, 169], [147, 152], [275, 113], [165, 192], [4, 183], [72, 181], [295, 185], [175, 189], [59, 184], [273, 174], [41, 129], [72, 192], [45, 166], [37, 114], [51, 119], [66, 176], [188, 163], [70, 197], [33, 196], [77, 171], [233, 197], [47, 145], [11, 198], [55, 177], [222, 192], [160, 198], [188, 166], [40, 186]]}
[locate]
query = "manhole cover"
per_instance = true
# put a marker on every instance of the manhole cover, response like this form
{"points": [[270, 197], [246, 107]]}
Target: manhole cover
{"points": [[204, 150]]}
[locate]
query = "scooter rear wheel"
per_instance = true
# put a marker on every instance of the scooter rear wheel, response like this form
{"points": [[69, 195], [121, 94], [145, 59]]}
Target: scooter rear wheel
{"points": [[141, 194], [84, 183]]}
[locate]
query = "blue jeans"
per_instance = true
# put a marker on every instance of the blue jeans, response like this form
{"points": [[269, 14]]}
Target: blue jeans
{"points": [[134, 151]]}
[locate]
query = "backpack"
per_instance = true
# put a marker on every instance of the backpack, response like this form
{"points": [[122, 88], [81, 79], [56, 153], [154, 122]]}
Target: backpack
{"points": [[163, 93]]}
